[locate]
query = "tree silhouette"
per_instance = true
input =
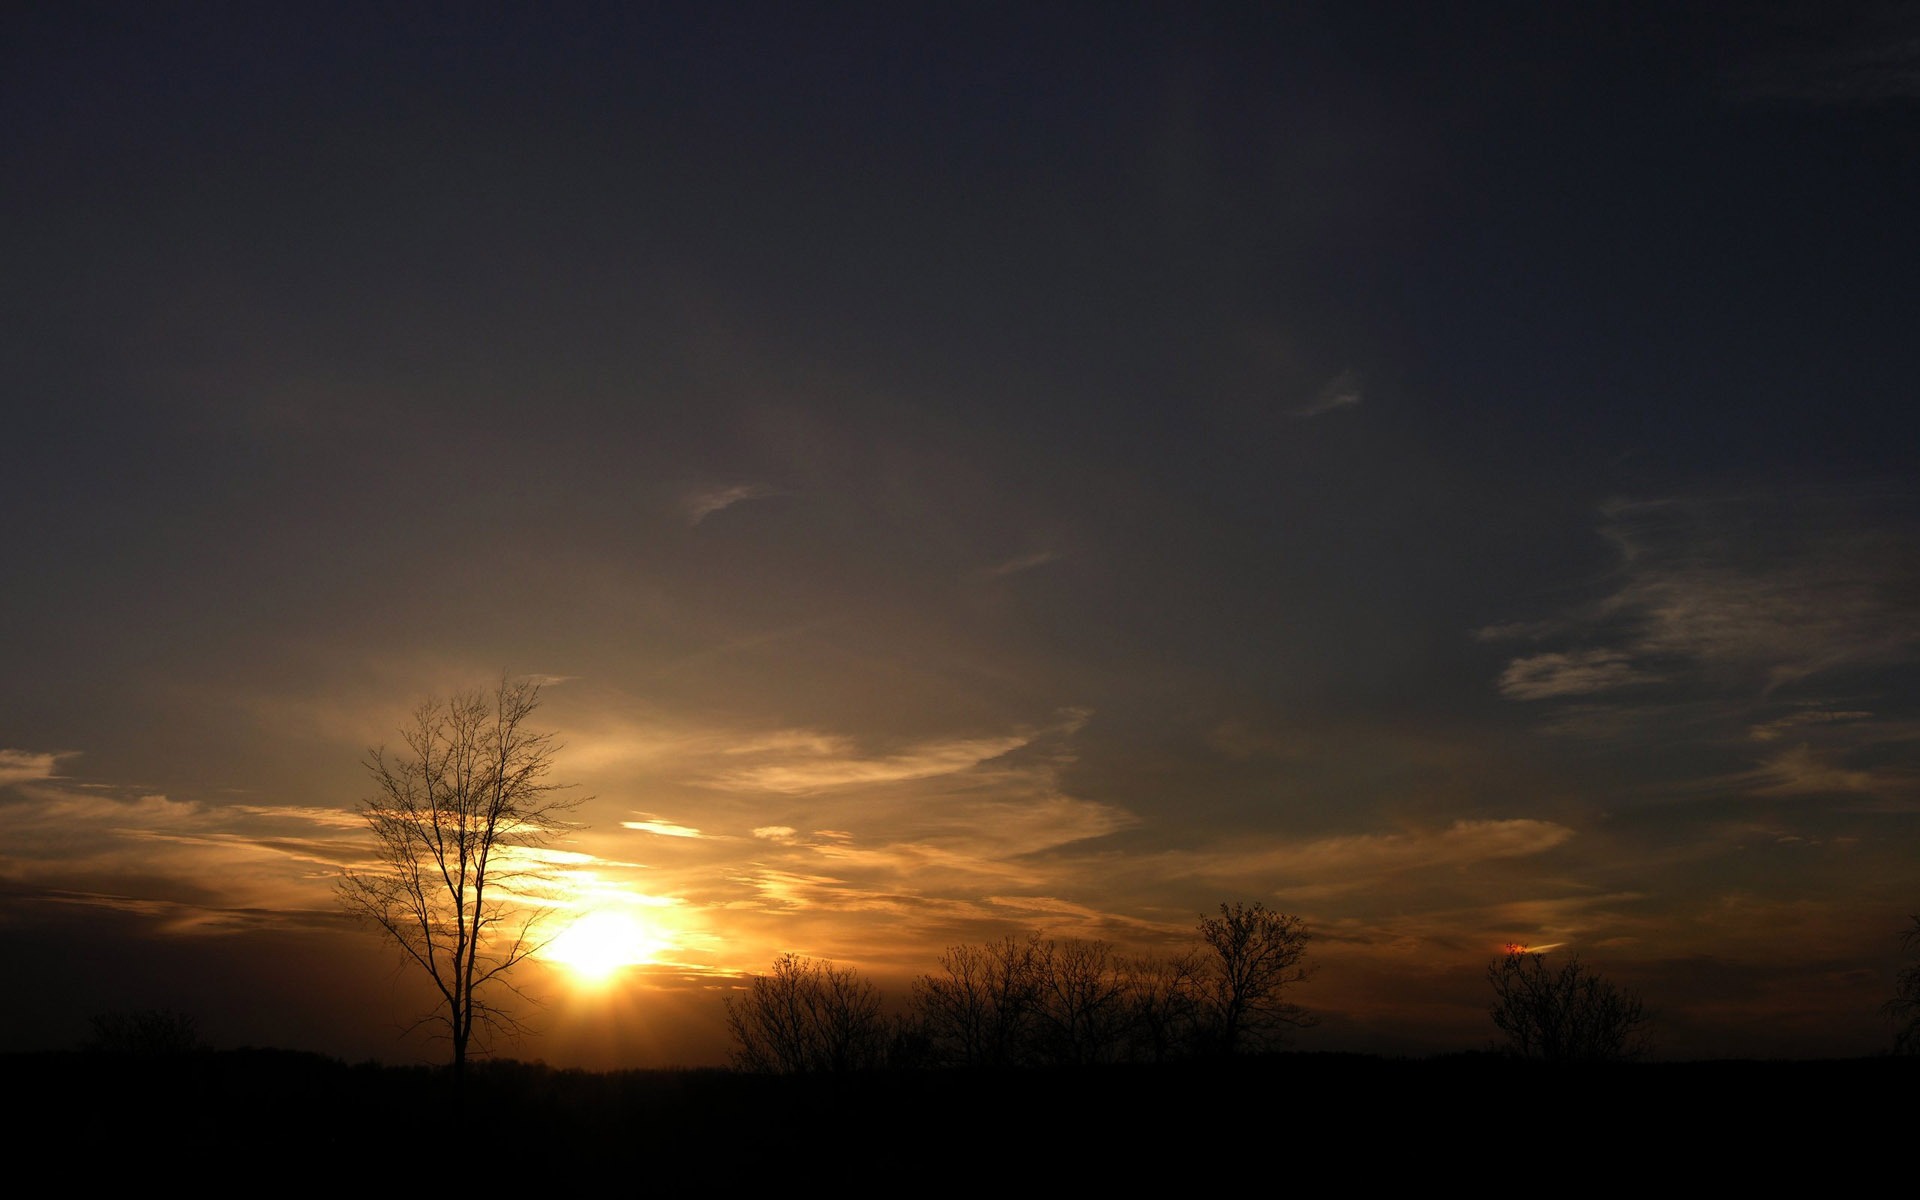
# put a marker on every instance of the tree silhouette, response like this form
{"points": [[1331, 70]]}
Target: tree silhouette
{"points": [[1027, 1002], [1082, 1008], [147, 1032], [980, 1010], [1041, 1002], [453, 885], [807, 1016], [1568, 1015], [1257, 954], [1164, 1001], [1904, 1008]]}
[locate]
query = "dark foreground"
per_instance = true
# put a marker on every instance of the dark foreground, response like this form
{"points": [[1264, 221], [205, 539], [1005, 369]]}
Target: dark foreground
{"points": [[1349, 1121]]}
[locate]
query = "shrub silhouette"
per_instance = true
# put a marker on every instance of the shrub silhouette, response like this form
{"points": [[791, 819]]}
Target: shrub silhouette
{"points": [[149, 1032], [1904, 1008]]}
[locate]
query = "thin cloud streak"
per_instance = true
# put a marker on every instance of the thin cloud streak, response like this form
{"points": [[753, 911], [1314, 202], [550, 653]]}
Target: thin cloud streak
{"points": [[828, 771], [1327, 866], [1779, 727], [1021, 562], [698, 506], [652, 824]]}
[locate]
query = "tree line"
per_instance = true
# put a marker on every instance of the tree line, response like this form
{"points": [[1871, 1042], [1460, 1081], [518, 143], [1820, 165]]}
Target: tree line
{"points": [[1036, 1002]]}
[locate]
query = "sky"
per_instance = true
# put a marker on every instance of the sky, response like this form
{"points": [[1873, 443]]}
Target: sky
{"points": [[1447, 472]]}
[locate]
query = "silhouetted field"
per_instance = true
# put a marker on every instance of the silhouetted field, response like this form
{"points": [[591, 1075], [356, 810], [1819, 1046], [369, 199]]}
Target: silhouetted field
{"points": [[1371, 1119]]}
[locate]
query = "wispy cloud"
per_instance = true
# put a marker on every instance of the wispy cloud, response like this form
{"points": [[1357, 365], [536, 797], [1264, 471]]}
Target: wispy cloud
{"points": [[1800, 771], [803, 742], [828, 767], [699, 505], [1342, 391], [147, 844], [1754, 592], [336, 818], [815, 839], [201, 867], [18, 766], [1366, 860], [966, 845], [1019, 563], [1577, 673], [1775, 729]]}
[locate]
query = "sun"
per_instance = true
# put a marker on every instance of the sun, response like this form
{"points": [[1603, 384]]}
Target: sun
{"points": [[601, 943]]}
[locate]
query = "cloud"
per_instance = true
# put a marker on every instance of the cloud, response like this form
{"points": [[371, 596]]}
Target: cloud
{"points": [[1376, 864], [1357, 860], [1800, 772], [652, 824], [200, 867], [951, 850], [1757, 592], [699, 505], [836, 845], [1021, 562], [1574, 674], [818, 841], [825, 768], [337, 818], [1342, 391], [1737, 584], [791, 741], [148, 846], [1774, 729], [64, 808], [19, 766]]}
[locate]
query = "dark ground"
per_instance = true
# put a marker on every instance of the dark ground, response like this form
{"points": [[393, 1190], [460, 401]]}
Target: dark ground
{"points": [[1278, 1121]]}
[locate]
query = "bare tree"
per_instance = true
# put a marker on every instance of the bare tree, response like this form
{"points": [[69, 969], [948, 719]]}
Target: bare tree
{"points": [[1257, 954], [457, 819], [1164, 996], [808, 1016], [1568, 1015], [980, 1010], [1035, 1002], [1082, 1007], [1904, 1008], [1025, 1002]]}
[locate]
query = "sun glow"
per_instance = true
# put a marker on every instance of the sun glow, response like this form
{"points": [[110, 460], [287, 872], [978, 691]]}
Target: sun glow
{"points": [[602, 942]]}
